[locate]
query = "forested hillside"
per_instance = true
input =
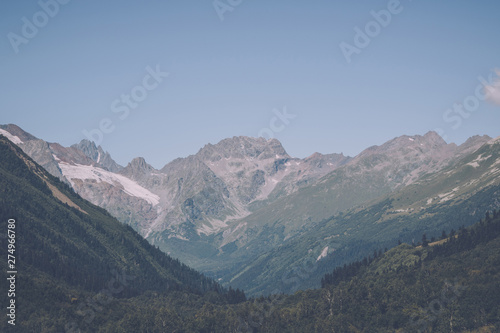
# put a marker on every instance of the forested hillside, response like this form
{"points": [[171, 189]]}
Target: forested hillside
{"points": [[68, 251], [80, 270], [451, 285]]}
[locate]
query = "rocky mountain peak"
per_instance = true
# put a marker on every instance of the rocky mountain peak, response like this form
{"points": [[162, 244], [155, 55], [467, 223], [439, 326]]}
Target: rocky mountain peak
{"points": [[404, 144], [97, 155], [139, 164], [137, 169], [88, 148], [472, 144], [17, 131], [243, 147], [433, 138], [321, 160], [315, 156], [475, 140]]}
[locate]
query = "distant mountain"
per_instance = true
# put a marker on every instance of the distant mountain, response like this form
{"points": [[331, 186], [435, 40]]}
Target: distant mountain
{"points": [[80, 270], [189, 198], [98, 155], [92, 173], [374, 173], [243, 198], [50, 155], [67, 250], [447, 199], [238, 174]]}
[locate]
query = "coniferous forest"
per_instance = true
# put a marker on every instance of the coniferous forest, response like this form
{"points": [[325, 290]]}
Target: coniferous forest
{"points": [[80, 270], [237, 166]]}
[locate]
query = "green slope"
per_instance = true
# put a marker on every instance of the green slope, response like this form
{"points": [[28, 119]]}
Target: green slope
{"points": [[448, 288], [80, 270], [447, 199], [453, 287], [68, 250]]}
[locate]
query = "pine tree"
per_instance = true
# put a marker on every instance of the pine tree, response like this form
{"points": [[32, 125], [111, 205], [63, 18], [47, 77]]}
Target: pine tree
{"points": [[425, 242], [443, 235]]}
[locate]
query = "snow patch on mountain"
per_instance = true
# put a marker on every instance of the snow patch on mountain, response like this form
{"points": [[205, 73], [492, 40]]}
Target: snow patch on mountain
{"points": [[178, 237], [473, 164], [448, 196], [83, 172], [211, 227], [323, 254], [477, 160], [13, 138]]}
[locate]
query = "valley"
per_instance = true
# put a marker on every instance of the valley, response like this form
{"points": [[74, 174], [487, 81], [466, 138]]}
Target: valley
{"points": [[84, 271], [243, 211]]}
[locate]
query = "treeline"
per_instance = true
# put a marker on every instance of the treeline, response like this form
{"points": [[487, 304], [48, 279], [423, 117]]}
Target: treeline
{"points": [[348, 271], [406, 289], [466, 239], [83, 249], [69, 258]]}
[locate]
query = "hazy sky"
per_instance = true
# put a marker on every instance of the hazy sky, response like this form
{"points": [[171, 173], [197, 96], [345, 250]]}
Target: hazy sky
{"points": [[247, 67]]}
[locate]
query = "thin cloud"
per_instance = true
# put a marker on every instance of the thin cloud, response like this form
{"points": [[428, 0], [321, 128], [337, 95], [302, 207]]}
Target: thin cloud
{"points": [[493, 90]]}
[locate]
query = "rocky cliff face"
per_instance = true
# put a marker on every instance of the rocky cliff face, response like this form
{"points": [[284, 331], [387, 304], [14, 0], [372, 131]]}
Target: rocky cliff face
{"points": [[92, 173], [98, 155], [227, 181], [377, 171], [189, 197], [241, 193]]}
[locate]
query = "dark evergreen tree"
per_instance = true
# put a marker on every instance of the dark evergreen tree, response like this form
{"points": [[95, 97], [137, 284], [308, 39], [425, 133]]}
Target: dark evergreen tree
{"points": [[425, 242]]}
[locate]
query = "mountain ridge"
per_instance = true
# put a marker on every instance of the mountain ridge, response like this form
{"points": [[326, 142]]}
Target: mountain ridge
{"points": [[87, 272], [231, 202]]}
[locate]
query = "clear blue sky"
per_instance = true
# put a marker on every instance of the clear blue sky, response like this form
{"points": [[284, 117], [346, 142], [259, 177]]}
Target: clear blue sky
{"points": [[226, 77]]}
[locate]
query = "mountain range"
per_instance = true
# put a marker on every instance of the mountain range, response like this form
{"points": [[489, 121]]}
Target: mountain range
{"points": [[243, 211], [71, 258], [81, 270]]}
